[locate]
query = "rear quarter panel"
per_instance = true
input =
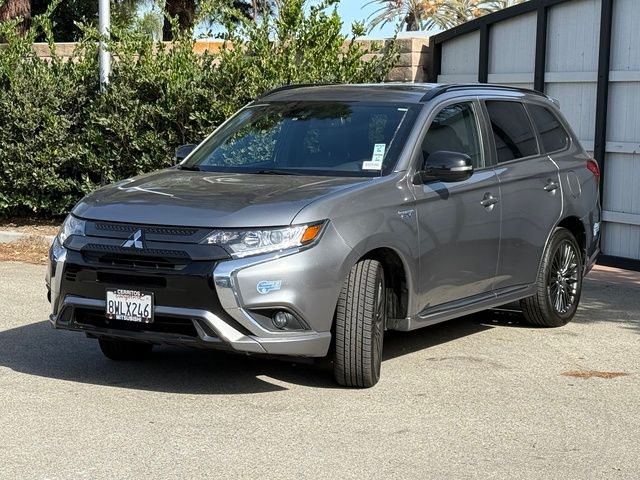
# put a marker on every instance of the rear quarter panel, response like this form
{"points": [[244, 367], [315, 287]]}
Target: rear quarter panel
{"points": [[580, 188]]}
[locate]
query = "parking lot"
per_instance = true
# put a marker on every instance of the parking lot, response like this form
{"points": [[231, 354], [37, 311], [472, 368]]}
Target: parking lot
{"points": [[478, 397]]}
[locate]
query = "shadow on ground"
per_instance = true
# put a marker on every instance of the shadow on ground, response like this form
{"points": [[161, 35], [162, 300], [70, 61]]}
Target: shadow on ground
{"points": [[36, 349]]}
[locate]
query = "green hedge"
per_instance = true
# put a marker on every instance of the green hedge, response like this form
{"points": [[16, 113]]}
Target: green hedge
{"points": [[60, 137]]}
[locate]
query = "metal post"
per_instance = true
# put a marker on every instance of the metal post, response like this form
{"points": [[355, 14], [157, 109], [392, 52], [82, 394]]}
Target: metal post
{"points": [[602, 95], [104, 57]]}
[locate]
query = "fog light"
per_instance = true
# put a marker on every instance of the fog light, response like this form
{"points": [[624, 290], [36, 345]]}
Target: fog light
{"points": [[282, 319]]}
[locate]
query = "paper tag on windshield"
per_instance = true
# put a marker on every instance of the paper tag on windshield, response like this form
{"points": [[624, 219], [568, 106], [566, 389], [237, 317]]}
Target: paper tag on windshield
{"points": [[376, 159]]}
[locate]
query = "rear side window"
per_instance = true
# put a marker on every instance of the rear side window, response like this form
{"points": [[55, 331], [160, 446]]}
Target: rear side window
{"points": [[554, 136], [512, 131]]}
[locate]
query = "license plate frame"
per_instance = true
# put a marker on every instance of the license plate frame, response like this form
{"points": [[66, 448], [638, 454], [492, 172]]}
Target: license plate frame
{"points": [[129, 305]]}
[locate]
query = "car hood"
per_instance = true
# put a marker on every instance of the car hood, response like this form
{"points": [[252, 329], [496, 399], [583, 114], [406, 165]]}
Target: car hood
{"points": [[207, 199]]}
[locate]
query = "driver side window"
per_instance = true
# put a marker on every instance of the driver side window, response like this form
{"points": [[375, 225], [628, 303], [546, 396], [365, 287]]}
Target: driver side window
{"points": [[455, 129]]}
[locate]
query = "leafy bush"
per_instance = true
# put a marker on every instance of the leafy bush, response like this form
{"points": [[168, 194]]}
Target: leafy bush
{"points": [[60, 137]]}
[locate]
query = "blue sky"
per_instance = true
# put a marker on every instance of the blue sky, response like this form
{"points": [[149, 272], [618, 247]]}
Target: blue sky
{"points": [[354, 10]]}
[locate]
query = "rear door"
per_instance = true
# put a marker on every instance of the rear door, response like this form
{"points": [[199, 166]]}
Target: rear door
{"points": [[530, 193], [459, 222]]}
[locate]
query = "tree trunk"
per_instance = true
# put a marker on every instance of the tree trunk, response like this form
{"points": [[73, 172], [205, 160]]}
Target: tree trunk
{"points": [[412, 22], [11, 9], [185, 10]]}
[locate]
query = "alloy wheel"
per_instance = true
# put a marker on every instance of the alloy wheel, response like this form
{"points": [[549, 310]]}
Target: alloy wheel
{"points": [[564, 278]]}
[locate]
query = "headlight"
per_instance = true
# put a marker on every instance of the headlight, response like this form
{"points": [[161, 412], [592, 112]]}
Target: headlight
{"points": [[242, 243], [71, 226]]}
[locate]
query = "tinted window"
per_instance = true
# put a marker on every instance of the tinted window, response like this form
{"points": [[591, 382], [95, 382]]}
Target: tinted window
{"points": [[512, 131], [554, 136], [455, 130], [315, 138]]}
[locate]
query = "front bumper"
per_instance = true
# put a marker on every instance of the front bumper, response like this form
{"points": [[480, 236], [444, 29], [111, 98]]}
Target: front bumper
{"points": [[210, 330], [208, 304]]}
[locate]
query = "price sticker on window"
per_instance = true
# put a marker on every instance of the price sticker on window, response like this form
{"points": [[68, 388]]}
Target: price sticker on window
{"points": [[375, 163]]}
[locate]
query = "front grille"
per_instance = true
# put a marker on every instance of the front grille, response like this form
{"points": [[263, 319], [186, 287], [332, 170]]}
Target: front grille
{"points": [[160, 324], [144, 261], [123, 279], [190, 287], [71, 273], [147, 252], [171, 231]]}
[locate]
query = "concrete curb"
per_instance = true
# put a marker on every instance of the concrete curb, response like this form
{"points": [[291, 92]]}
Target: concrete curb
{"points": [[8, 236]]}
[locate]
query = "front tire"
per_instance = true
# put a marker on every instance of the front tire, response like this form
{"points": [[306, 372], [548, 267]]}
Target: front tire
{"points": [[359, 326], [559, 283], [124, 350]]}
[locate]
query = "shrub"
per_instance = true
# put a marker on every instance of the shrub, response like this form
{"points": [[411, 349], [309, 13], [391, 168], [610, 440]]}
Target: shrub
{"points": [[60, 137]]}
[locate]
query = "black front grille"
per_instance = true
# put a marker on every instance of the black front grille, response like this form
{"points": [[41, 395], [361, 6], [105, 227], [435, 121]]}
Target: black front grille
{"points": [[170, 231], [154, 259], [134, 262], [130, 280], [147, 252], [71, 273], [190, 287], [160, 324]]}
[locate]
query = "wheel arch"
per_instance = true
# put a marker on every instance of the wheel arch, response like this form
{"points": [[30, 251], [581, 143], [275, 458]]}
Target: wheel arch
{"points": [[396, 278], [576, 227]]}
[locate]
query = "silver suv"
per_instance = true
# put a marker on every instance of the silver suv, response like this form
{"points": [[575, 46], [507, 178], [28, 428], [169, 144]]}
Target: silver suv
{"points": [[318, 217]]}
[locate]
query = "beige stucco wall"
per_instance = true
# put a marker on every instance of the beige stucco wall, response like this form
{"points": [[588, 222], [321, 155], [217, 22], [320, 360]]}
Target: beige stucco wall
{"points": [[411, 66]]}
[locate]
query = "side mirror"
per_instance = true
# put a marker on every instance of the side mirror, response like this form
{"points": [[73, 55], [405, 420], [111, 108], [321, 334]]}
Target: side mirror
{"points": [[183, 151], [444, 166]]}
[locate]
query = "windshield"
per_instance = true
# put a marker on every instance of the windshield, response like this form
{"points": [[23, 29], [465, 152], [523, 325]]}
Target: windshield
{"points": [[310, 138]]}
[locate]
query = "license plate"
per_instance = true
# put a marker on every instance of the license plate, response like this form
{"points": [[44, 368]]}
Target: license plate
{"points": [[129, 305]]}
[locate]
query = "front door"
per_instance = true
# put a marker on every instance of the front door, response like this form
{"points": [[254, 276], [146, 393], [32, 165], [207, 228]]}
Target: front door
{"points": [[459, 223]]}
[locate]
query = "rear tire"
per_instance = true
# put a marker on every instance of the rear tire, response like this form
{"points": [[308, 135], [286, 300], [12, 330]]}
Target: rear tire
{"points": [[124, 350], [359, 326], [559, 283]]}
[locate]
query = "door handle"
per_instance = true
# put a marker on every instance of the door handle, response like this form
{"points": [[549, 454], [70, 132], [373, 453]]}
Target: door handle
{"points": [[551, 186], [488, 200]]}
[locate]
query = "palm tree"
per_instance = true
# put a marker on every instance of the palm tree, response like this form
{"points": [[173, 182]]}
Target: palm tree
{"points": [[451, 13], [433, 14], [408, 13], [186, 11]]}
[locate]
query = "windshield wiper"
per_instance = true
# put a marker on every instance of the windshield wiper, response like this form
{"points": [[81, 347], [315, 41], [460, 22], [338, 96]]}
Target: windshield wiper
{"points": [[276, 172], [191, 168]]}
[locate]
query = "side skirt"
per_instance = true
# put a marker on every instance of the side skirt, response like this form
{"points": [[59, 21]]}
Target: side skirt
{"points": [[466, 306]]}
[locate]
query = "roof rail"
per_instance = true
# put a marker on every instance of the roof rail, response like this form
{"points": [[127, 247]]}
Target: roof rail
{"points": [[292, 87], [441, 89]]}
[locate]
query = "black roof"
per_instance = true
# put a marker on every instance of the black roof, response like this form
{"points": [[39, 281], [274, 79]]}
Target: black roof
{"points": [[385, 92]]}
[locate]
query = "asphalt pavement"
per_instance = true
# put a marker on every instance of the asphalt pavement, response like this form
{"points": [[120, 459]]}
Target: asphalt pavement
{"points": [[482, 397]]}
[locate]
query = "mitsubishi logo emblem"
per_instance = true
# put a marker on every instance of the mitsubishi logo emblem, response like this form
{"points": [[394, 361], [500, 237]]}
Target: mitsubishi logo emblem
{"points": [[134, 241]]}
